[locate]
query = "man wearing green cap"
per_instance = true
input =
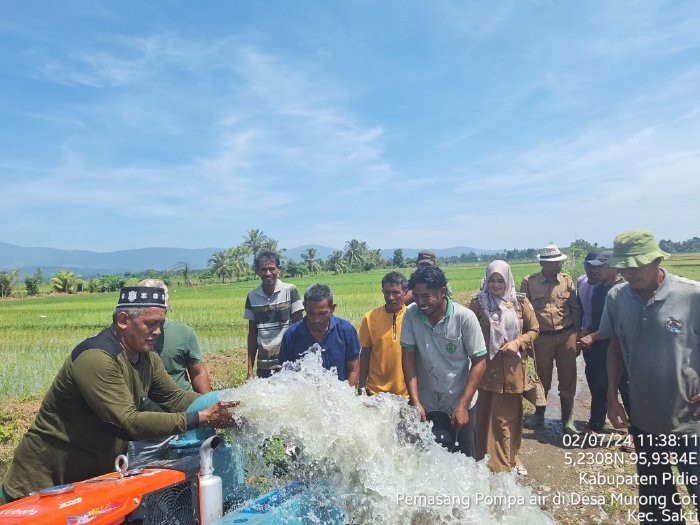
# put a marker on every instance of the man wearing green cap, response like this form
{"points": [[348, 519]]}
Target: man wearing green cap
{"points": [[654, 320], [92, 410]]}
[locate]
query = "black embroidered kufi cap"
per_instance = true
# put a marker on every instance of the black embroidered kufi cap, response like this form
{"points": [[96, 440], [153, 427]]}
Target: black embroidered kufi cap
{"points": [[141, 297]]}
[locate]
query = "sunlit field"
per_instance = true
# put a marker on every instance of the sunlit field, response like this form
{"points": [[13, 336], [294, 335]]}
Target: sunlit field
{"points": [[685, 265], [39, 333]]}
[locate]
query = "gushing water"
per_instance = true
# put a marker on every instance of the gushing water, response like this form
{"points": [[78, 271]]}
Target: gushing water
{"points": [[382, 463]]}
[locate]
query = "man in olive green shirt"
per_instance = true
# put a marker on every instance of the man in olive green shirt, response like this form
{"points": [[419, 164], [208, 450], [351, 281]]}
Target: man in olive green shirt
{"points": [[179, 351], [92, 408]]}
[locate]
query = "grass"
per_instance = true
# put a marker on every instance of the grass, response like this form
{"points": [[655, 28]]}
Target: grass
{"points": [[40, 332], [684, 264]]}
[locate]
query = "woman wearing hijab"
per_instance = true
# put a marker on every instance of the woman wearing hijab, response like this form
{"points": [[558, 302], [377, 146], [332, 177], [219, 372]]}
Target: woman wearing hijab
{"points": [[510, 328]]}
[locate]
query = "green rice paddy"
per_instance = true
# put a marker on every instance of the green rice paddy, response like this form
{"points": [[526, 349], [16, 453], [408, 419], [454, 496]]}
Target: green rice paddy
{"points": [[39, 333]]}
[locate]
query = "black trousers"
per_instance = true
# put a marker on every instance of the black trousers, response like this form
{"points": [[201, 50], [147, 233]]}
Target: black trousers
{"points": [[659, 499], [597, 378], [465, 437]]}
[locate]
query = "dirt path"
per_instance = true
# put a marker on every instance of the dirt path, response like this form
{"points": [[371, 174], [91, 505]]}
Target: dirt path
{"points": [[585, 482]]}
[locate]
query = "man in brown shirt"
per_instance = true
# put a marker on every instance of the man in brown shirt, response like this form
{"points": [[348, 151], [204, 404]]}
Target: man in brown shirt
{"points": [[553, 296]]}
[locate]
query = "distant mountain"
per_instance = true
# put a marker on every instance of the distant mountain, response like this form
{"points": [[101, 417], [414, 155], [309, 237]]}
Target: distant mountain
{"points": [[86, 263]]}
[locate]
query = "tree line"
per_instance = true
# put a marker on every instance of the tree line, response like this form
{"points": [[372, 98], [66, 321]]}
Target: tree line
{"points": [[234, 262], [223, 265], [688, 246]]}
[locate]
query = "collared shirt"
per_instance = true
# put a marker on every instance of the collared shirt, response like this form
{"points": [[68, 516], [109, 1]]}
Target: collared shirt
{"points": [[380, 332], [554, 301], [660, 342], [443, 353], [272, 316], [339, 346]]}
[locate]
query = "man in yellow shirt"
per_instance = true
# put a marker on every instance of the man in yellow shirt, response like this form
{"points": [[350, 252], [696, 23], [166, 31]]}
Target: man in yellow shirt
{"points": [[380, 337]]}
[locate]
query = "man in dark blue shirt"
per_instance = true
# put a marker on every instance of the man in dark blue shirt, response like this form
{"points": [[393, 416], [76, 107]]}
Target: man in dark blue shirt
{"points": [[595, 349], [337, 338]]}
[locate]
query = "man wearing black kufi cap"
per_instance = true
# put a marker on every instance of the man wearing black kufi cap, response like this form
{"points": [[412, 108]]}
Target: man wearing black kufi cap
{"points": [[91, 409]]}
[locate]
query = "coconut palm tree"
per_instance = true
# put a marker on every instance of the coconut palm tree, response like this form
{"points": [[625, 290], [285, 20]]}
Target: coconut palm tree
{"points": [[355, 252], [186, 269], [220, 265], [254, 241], [376, 256], [238, 259], [272, 245], [65, 281], [309, 257], [336, 263], [7, 282]]}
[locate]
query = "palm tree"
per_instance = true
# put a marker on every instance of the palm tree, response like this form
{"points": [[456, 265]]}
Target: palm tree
{"points": [[7, 282], [64, 281], [237, 260], [336, 263], [220, 265], [376, 255], [309, 257], [254, 241], [272, 245], [355, 252], [186, 269]]}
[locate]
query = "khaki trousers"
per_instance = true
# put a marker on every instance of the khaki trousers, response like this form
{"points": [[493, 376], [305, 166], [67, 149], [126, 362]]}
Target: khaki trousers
{"points": [[499, 429], [562, 349]]}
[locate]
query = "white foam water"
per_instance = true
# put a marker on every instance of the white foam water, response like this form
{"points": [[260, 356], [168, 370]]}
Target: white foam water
{"points": [[380, 460]]}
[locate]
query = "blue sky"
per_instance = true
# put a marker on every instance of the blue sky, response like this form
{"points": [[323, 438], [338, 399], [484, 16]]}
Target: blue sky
{"points": [[401, 123]]}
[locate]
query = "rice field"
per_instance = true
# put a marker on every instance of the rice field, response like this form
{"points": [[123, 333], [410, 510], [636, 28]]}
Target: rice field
{"points": [[39, 333], [684, 264]]}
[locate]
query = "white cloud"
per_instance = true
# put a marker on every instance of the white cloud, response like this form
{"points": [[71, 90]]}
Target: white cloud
{"points": [[541, 126]]}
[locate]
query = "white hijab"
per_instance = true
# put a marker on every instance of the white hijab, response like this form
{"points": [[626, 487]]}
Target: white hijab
{"points": [[502, 312]]}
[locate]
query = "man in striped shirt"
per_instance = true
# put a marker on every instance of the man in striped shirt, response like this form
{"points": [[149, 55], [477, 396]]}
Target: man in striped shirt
{"points": [[269, 309]]}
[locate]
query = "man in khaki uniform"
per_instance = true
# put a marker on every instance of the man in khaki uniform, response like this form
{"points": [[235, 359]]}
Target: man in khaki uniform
{"points": [[553, 296]]}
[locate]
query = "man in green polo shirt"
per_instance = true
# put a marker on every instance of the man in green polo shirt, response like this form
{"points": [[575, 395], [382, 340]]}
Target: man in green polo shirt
{"points": [[443, 354]]}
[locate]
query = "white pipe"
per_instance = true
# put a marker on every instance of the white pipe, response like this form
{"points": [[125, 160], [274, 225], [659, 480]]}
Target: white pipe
{"points": [[211, 497]]}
